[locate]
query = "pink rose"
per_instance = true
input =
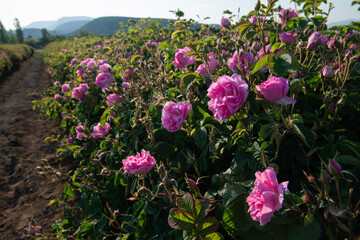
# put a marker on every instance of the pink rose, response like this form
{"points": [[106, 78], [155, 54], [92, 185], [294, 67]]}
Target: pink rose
{"points": [[79, 132], [105, 68], [73, 61], [266, 197], [57, 84], [91, 65], [126, 85], [181, 61], [139, 164], [246, 59], [287, 14], [288, 38], [253, 19], [233, 62], [274, 89], [80, 72], [103, 61], [85, 62], [212, 65], [316, 38], [227, 95], [174, 115], [99, 131], [57, 97], [79, 92], [155, 44], [225, 22], [113, 98], [103, 80], [65, 87]]}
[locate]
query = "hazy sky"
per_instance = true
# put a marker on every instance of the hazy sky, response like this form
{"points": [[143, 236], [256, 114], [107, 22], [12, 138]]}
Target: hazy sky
{"points": [[28, 11]]}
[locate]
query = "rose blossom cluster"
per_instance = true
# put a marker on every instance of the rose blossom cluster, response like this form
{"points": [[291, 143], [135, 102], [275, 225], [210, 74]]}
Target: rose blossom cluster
{"points": [[266, 197], [227, 96], [79, 132], [113, 98], [287, 14], [79, 92], [103, 80], [139, 164], [245, 60], [174, 115], [99, 131], [202, 70]]}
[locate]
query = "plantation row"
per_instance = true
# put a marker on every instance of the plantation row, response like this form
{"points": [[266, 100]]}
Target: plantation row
{"points": [[12, 54], [243, 132]]}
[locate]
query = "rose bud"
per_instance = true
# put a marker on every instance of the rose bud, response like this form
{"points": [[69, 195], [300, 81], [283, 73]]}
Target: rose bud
{"points": [[334, 168], [328, 72]]}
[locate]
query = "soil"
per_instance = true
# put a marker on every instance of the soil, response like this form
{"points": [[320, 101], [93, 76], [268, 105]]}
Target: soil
{"points": [[31, 174]]}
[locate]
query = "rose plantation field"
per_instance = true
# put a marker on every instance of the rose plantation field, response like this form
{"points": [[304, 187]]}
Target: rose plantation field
{"points": [[245, 131]]}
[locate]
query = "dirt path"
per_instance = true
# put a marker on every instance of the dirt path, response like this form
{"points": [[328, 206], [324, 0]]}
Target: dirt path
{"points": [[24, 192]]}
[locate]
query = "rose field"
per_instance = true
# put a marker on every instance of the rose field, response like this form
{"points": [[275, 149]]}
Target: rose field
{"points": [[247, 130]]}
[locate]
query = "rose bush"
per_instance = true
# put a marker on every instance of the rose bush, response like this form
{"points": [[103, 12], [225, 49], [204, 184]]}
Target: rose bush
{"points": [[242, 121]]}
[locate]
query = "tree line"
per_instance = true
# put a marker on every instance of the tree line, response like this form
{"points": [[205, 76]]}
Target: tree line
{"points": [[17, 36]]}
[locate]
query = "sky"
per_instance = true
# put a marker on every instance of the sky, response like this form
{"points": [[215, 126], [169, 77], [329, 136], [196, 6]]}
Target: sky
{"points": [[28, 11]]}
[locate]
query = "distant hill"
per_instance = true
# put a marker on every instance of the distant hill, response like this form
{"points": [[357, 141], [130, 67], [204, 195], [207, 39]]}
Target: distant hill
{"points": [[40, 24], [69, 27], [103, 25], [107, 25], [52, 25], [345, 22], [64, 20]]}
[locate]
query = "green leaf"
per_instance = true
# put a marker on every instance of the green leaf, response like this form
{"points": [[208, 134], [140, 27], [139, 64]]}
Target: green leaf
{"points": [[229, 192], [214, 236], [207, 226], [298, 232], [201, 210], [135, 58], [162, 46], [235, 221], [180, 220], [176, 34], [105, 117], [85, 227], [318, 20], [142, 218], [68, 191], [348, 159], [187, 80], [302, 132], [199, 136], [262, 63], [186, 203], [283, 62], [165, 150], [266, 130]]}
